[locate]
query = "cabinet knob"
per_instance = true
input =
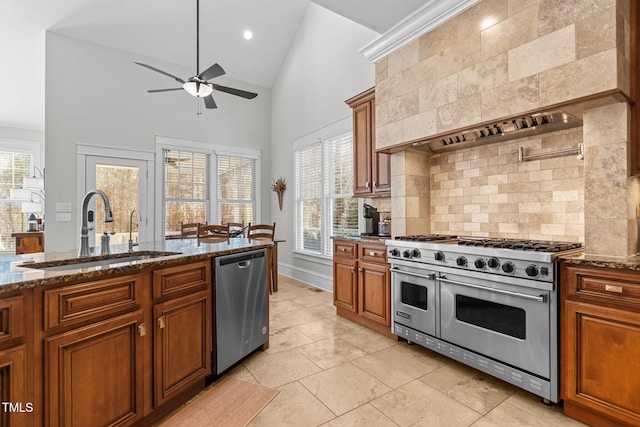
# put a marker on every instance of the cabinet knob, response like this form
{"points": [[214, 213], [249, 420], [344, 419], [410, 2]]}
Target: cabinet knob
{"points": [[372, 253], [161, 322], [360, 270], [142, 329], [374, 184], [366, 184], [613, 288], [344, 249]]}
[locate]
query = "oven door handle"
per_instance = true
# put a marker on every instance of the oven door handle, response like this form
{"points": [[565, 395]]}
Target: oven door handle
{"points": [[539, 298], [431, 276]]}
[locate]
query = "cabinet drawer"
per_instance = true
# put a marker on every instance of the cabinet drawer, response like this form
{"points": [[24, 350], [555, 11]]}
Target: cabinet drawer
{"points": [[12, 319], [345, 249], [181, 279], [607, 285], [373, 252], [81, 302]]}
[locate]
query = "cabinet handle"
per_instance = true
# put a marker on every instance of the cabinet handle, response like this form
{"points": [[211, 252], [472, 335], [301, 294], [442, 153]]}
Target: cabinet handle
{"points": [[366, 184], [372, 254], [161, 322], [142, 329], [613, 288]]}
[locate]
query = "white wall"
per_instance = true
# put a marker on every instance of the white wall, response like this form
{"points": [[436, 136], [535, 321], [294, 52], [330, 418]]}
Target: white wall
{"points": [[96, 95], [322, 69]]}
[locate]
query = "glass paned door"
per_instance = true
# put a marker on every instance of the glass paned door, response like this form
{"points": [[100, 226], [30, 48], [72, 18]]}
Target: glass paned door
{"points": [[125, 182]]}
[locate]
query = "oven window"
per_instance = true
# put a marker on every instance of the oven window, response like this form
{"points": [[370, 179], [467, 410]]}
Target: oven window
{"points": [[490, 315], [414, 295]]}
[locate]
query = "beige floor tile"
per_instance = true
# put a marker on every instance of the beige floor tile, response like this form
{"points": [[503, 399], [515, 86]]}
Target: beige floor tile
{"points": [[368, 340], [424, 355], [293, 406], [286, 339], [531, 403], [309, 300], [285, 320], [283, 294], [283, 306], [323, 329], [317, 313], [330, 352], [417, 404], [392, 367], [470, 387], [363, 416], [274, 370], [507, 414], [241, 372], [344, 388]]}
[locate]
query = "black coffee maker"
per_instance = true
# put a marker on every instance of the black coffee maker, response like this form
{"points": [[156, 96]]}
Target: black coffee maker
{"points": [[371, 219]]}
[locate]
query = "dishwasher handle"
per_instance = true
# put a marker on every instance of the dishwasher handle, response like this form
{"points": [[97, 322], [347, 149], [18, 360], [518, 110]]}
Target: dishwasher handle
{"points": [[244, 264]]}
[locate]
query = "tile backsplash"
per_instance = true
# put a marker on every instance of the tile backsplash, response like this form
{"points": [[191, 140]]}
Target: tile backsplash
{"points": [[486, 191]]}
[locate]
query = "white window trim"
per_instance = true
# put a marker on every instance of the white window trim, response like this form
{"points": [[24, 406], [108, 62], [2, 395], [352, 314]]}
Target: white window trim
{"points": [[20, 146], [206, 147], [338, 127]]}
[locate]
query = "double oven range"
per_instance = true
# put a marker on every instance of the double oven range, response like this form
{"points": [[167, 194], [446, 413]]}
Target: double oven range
{"points": [[489, 303]]}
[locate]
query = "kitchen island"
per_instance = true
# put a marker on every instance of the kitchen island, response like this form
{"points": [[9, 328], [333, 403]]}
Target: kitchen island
{"points": [[121, 340]]}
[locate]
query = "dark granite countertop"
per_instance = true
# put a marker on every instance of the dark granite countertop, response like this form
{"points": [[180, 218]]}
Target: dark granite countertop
{"points": [[13, 277], [628, 263], [359, 238]]}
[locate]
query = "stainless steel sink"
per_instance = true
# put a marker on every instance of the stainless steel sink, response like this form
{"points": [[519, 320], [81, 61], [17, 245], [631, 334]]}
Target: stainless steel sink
{"points": [[112, 260]]}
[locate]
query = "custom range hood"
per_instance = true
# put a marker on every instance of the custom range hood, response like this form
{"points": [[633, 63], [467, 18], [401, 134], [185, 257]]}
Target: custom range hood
{"points": [[505, 130]]}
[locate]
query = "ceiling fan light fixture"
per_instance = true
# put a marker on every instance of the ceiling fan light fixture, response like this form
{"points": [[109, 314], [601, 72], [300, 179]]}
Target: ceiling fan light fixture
{"points": [[199, 90]]}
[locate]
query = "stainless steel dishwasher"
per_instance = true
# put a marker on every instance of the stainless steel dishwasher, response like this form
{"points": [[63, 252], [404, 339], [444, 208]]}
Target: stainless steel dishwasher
{"points": [[241, 306]]}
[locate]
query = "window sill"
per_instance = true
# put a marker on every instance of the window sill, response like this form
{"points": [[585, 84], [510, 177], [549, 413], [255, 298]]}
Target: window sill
{"points": [[318, 259]]}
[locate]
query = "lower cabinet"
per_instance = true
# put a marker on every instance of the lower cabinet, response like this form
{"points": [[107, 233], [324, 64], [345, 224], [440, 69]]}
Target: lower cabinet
{"points": [[95, 374], [13, 389], [600, 369], [362, 284], [182, 344]]}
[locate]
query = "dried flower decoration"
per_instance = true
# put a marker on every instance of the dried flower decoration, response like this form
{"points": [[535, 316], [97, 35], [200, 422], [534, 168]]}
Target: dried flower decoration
{"points": [[279, 186]]}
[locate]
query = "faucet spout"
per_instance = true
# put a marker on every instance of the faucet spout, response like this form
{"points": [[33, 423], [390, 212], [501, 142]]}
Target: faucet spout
{"points": [[131, 244], [84, 231]]}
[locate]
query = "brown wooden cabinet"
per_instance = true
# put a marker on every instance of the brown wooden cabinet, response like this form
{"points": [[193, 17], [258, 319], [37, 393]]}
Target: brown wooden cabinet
{"points": [[182, 344], [95, 374], [600, 345], [362, 284], [372, 170], [29, 242]]}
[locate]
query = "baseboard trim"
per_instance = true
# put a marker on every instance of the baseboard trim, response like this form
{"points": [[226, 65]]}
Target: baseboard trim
{"points": [[321, 281]]}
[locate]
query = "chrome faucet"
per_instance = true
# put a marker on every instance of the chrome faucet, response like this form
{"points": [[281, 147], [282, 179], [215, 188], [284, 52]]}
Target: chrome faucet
{"points": [[131, 244], [84, 231]]}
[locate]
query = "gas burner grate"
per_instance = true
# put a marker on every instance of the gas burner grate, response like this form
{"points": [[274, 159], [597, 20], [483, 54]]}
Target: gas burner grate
{"points": [[521, 245], [426, 237]]}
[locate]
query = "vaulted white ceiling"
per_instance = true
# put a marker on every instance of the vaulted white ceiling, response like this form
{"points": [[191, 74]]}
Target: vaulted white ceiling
{"points": [[162, 29]]}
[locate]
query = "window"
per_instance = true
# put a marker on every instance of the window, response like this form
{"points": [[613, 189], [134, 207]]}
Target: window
{"points": [[186, 189], [203, 182], [324, 189], [14, 166]]}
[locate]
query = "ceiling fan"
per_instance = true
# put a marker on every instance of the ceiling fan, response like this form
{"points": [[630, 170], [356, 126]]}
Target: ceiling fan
{"points": [[199, 85]]}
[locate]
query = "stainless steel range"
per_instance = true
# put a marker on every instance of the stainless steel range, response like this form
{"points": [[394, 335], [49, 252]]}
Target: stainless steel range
{"points": [[489, 303]]}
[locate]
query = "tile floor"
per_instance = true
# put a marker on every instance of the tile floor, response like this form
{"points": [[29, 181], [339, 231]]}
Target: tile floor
{"points": [[332, 372]]}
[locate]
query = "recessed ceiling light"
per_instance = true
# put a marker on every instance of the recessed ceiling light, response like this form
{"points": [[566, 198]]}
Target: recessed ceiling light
{"points": [[248, 35]]}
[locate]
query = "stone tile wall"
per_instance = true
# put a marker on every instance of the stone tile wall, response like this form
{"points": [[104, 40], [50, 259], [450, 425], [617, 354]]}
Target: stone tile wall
{"points": [[498, 59], [485, 191]]}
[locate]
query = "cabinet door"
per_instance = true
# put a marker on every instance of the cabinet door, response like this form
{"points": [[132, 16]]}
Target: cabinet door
{"points": [[13, 388], [373, 292], [380, 162], [602, 361], [94, 375], [182, 348], [344, 283], [362, 148]]}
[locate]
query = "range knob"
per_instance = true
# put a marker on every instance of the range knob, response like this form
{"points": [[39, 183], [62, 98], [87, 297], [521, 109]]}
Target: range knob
{"points": [[480, 263], [415, 253], [439, 256], [532, 270], [508, 267], [394, 252], [461, 261], [493, 262], [406, 253]]}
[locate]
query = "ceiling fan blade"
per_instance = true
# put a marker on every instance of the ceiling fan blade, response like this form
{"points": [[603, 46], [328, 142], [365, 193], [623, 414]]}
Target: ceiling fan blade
{"points": [[214, 71], [164, 90], [178, 79], [237, 92], [209, 102]]}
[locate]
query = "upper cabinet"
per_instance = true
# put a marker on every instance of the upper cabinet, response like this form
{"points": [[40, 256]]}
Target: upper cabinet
{"points": [[372, 171], [634, 164]]}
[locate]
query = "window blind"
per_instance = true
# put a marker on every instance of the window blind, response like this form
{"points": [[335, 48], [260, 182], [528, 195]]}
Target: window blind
{"points": [[309, 198], [186, 179], [14, 166], [236, 189]]}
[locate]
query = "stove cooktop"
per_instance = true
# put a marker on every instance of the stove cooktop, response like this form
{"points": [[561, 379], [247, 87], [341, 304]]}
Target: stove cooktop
{"points": [[517, 244], [426, 237]]}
